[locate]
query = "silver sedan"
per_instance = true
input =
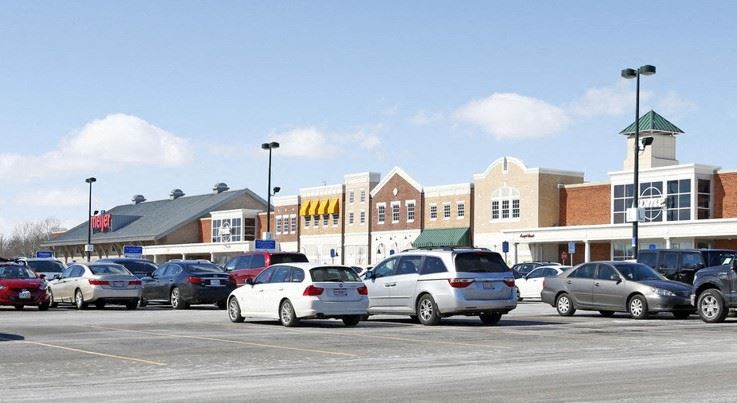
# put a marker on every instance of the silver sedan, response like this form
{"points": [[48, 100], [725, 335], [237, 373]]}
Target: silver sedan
{"points": [[610, 287], [96, 283]]}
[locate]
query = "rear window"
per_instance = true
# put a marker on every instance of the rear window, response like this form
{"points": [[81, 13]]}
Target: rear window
{"points": [[138, 267], [203, 267], [46, 266], [288, 258], [16, 272], [480, 262], [109, 269], [333, 274]]}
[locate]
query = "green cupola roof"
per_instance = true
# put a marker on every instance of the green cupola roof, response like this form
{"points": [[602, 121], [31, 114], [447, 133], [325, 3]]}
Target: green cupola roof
{"points": [[652, 122]]}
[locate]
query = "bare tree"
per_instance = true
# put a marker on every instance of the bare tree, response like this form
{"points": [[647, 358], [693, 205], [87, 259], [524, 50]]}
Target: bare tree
{"points": [[26, 238]]}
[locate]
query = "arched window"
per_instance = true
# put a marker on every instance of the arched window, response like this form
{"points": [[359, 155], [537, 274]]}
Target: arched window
{"points": [[505, 204]]}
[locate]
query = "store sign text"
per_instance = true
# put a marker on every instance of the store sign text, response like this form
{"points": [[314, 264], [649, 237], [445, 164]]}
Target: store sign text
{"points": [[102, 223]]}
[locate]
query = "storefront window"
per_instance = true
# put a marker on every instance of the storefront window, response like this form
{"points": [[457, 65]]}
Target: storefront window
{"points": [[622, 251], [704, 199], [227, 230], [505, 204], [679, 200], [623, 197]]}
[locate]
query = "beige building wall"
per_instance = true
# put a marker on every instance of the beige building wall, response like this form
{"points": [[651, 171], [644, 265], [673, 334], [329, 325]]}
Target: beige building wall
{"points": [[358, 189], [453, 196]]}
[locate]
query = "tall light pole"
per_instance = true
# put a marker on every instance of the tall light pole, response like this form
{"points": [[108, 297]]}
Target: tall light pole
{"points": [[88, 247], [269, 146], [646, 70]]}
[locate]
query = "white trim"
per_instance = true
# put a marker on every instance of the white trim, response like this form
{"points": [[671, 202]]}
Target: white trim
{"points": [[407, 203], [450, 211], [397, 204], [525, 169], [402, 174], [382, 204], [429, 211], [448, 190], [460, 203]]}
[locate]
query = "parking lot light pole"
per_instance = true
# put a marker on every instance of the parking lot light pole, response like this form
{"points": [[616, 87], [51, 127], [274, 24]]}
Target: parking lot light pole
{"points": [[646, 70], [269, 146], [88, 247]]}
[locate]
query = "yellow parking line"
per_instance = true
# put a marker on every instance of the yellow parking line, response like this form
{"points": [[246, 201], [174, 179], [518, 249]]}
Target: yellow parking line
{"points": [[245, 343], [76, 350]]}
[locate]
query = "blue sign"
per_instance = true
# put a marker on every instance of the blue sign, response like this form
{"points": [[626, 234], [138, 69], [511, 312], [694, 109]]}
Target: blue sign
{"points": [[44, 254], [571, 247], [505, 246], [132, 251], [391, 252], [652, 246], [333, 253], [265, 244]]}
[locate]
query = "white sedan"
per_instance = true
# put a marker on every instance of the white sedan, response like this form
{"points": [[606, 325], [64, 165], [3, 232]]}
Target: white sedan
{"points": [[531, 285], [294, 291]]}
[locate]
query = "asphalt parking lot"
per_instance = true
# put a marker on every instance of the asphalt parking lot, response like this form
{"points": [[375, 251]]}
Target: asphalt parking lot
{"points": [[157, 354]]}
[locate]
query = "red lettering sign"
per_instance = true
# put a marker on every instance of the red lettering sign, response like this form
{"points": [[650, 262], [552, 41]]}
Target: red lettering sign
{"points": [[102, 223]]}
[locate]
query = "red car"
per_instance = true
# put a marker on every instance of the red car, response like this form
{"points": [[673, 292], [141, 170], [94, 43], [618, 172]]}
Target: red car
{"points": [[250, 264], [19, 287]]}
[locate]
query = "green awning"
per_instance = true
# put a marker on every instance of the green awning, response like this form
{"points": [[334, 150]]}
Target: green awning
{"points": [[443, 237]]}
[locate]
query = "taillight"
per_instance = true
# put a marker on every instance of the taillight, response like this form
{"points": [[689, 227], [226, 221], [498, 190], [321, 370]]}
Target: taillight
{"points": [[460, 282], [194, 280], [362, 290], [312, 291], [509, 282], [94, 281], [135, 282]]}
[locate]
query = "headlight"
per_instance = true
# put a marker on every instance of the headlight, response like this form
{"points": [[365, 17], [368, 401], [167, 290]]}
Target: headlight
{"points": [[662, 292]]}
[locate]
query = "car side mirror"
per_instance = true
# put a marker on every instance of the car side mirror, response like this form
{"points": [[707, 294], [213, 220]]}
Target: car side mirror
{"points": [[249, 281], [41, 276], [370, 275], [147, 278], [617, 279], [57, 276]]}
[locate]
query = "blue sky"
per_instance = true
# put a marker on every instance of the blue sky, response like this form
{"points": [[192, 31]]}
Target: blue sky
{"points": [[151, 96]]}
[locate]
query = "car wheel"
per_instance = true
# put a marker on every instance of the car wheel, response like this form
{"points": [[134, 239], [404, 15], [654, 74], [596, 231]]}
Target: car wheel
{"points": [[564, 305], [143, 302], [638, 307], [490, 318], [711, 306], [519, 297], [79, 300], [43, 307], [351, 320], [19, 307], [427, 311], [234, 311], [52, 303], [176, 300], [131, 305], [413, 318], [606, 314], [100, 304], [222, 304], [287, 316], [682, 314]]}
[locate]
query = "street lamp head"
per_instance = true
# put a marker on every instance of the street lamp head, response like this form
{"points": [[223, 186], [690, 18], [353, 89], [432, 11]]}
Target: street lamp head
{"points": [[265, 146], [647, 70], [276, 189], [646, 141], [629, 73], [274, 144], [90, 180]]}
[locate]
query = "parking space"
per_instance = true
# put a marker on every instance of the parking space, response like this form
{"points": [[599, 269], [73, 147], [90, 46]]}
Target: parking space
{"points": [[533, 354]]}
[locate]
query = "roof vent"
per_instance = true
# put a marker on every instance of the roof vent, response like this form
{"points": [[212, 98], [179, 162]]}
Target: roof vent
{"points": [[138, 199], [220, 188], [176, 193]]}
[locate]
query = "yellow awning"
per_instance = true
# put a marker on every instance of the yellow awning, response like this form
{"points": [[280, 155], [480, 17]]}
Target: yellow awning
{"points": [[313, 207], [334, 206], [322, 207], [304, 207]]}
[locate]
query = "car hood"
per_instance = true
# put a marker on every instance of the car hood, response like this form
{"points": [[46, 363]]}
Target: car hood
{"points": [[712, 271], [674, 286], [22, 283]]}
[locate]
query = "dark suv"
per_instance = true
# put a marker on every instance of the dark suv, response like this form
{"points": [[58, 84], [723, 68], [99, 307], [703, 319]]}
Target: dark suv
{"points": [[682, 264], [714, 291], [250, 264]]}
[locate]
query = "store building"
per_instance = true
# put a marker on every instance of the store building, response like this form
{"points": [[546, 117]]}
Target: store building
{"points": [[321, 235], [447, 216]]}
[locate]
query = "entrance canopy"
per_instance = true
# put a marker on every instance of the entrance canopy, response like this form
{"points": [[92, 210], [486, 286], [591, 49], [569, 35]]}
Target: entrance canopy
{"points": [[443, 237]]}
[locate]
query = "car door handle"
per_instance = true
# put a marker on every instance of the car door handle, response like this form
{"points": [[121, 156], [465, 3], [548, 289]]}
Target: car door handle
{"points": [[569, 282], [596, 284], [260, 290]]}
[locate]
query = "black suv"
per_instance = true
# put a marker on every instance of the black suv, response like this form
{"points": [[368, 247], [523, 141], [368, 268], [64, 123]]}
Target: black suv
{"points": [[682, 264], [714, 291]]}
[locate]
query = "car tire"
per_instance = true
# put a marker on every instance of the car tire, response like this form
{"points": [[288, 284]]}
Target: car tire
{"points": [[606, 314], [711, 306], [19, 307], [222, 304], [234, 311], [79, 300], [682, 315], [637, 306], [413, 318], [143, 302], [131, 305], [519, 297], [43, 307], [100, 304], [176, 300], [490, 318], [287, 316], [427, 311], [351, 320], [564, 305], [52, 303]]}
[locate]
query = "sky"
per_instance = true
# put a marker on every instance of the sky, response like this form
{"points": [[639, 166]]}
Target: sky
{"points": [[152, 96]]}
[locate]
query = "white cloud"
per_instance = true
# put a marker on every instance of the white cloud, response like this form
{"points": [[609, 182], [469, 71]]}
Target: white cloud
{"points": [[510, 115], [616, 100], [52, 198], [673, 106], [112, 142], [312, 143], [365, 140], [423, 119]]}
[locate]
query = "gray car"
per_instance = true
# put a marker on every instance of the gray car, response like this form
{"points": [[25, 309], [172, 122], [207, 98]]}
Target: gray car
{"points": [[82, 284], [610, 287]]}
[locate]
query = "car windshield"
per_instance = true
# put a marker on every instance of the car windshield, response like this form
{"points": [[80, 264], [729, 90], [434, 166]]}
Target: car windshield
{"points": [[108, 269], [203, 267], [638, 272], [16, 272], [46, 266], [333, 274], [288, 258], [480, 262], [137, 267]]}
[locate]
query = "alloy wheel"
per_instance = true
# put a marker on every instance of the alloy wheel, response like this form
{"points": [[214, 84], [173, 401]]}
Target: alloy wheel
{"points": [[426, 309], [709, 306], [636, 307]]}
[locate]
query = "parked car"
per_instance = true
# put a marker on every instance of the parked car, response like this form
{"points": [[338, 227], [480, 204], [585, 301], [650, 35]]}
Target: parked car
{"points": [[431, 284], [251, 264], [100, 284], [182, 283], [295, 291], [139, 267], [530, 285], [522, 269], [610, 287], [715, 291], [48, 267], [682, 264], [19, 286]]}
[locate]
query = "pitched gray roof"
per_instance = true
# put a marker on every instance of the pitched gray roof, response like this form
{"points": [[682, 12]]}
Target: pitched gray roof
{"points": [[156, 219]]}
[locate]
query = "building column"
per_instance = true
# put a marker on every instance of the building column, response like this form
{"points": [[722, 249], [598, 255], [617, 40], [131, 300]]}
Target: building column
{"points": [[184, 256], [667, 243], [587, 251], [212, 256], [516, 254]]}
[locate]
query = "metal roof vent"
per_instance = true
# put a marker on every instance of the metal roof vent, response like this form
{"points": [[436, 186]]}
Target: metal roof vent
{"points": [[175, 194], [138, 199], [220, 187]]}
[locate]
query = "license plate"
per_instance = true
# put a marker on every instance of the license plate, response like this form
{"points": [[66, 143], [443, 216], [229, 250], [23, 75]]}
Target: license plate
{"points": [[214, 282], [488, 285], [25, 294], [340, 292], [118, 284]]}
